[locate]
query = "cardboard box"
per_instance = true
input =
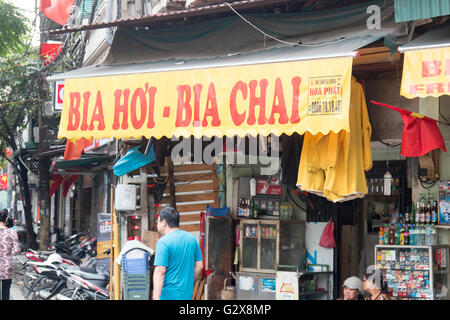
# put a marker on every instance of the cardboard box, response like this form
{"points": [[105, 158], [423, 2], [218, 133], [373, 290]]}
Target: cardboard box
{"points": [[150, 238]]}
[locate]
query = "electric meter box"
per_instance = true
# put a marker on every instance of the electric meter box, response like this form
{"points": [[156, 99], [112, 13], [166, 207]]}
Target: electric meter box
{"points": [[125, 197]]}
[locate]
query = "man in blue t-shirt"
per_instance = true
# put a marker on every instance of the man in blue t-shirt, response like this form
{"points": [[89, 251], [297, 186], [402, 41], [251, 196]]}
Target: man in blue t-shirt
{"points": [[178, 259]]}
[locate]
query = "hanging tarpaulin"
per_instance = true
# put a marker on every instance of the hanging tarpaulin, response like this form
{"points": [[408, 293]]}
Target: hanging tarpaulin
{"points": [[426, 72], [269, 98]]}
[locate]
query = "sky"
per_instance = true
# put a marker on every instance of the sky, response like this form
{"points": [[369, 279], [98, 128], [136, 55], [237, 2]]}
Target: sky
{"points": [[28, 9]]}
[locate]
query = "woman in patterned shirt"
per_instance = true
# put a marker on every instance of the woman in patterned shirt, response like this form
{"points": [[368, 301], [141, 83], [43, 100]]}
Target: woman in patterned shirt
{"points": [[9, 247], [371, 282]]}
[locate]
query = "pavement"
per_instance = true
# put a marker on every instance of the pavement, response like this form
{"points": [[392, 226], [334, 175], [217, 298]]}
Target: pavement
{"points": [[15, 293]]}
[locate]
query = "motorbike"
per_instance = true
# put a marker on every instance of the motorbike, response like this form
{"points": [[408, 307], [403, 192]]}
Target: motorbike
{"points": [[84, 253], [47, 280], [85, 286]]}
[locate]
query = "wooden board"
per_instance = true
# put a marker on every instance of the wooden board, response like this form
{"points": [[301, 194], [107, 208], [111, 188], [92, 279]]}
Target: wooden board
{"points": [[190, 227], [201, 180]]}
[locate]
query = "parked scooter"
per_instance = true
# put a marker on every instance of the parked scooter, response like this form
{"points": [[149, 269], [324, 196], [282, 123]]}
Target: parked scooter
{"points": [[85, 286], [85, 251], [48, 281]]}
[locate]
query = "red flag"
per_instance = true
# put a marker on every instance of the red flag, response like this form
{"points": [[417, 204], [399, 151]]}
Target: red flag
{"points": [[420, 133], [55, 182], [56, 10], [4, 181], [49, 52], [68, 181], [74, 148]]}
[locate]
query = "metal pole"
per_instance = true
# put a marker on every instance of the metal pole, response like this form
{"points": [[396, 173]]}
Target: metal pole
{"points": [[111, 250], [116, 254]]}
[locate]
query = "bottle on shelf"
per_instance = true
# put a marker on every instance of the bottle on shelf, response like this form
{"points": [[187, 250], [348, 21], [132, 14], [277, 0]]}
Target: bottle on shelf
{"points": [[397, 235], [428, 213], [422, 213], [407, 216], [434, 236], [406, 236], [401, 236], [412, 218], [386, 234], [392, 235], [381, 236], [417, 218], [434, 213], [412, 235]]}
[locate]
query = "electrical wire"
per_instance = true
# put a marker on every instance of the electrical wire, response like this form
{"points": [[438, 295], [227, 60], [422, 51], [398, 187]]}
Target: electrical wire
{"points": [[279, 40]]}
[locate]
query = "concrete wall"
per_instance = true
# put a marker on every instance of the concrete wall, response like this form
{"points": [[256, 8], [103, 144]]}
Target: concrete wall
{"points": [[386, 123]]}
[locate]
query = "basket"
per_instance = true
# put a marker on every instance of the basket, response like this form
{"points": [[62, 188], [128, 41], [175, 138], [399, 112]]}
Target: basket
{"points": [[135, 266]]}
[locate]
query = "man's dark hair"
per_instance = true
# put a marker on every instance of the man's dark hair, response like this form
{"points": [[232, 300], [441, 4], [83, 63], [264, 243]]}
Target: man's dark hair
{"points": [[171, 216]]}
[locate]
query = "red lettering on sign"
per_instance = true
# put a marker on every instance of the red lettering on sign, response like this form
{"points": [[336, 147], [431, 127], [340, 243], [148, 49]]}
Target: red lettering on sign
{"points": [[447, 67], [415, 87], [74, 113], [213, 111], [121, 108], [431, 68], [431, 87], [279, 107], [197, 92], [184, 106], [237, 117], [138, 95], [254, 101], [98, 114], [296, 81], [86, 97], [151, 107]]}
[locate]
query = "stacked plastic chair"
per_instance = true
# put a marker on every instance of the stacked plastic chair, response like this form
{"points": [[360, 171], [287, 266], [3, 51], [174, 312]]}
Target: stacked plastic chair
{"points": [[136, 278]]}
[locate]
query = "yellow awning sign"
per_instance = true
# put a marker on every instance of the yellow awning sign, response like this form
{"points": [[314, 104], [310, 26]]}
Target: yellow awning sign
{"points": [[426, 72], [276, 98]]}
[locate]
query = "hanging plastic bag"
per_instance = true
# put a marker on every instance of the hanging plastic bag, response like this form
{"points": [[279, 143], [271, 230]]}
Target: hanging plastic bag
{"points": [[327, 238]]}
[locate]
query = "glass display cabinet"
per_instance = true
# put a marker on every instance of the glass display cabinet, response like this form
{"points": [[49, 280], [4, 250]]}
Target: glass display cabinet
{"points": [[259, 241], [265, 244], [414, 272]]}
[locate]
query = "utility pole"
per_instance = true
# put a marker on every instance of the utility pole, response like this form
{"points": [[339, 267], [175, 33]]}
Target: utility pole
{"points": [[44, 161]]}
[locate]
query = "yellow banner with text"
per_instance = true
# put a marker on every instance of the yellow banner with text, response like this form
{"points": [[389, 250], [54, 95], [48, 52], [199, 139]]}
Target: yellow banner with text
{"points": [[426, 72], [272, 98]]}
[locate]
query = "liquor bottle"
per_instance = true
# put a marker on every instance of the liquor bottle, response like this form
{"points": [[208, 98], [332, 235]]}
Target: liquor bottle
{"points": [[422, 212], [434, 213], [417, 213], [252, 205], [428, 213], [413, 214]]}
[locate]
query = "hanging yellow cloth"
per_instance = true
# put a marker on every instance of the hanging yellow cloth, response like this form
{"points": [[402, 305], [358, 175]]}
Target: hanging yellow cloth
{"points": [[333, 165]]}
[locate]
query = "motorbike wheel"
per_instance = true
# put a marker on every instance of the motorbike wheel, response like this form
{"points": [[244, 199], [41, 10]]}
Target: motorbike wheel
{"points": [[74, 295], [27, 280]]}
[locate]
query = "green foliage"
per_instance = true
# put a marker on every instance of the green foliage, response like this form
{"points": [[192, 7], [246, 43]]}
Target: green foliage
{"points": [[13, 29]]}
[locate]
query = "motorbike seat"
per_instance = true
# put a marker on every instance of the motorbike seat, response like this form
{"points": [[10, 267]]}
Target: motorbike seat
{"points": [[90, 276], [89, 269]]}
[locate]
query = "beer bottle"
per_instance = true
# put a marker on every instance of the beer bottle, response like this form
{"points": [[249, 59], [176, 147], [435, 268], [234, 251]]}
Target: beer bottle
{"points": [[428, 213], [417, 213], [407, 215], [434, 213], [422, 212]]}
